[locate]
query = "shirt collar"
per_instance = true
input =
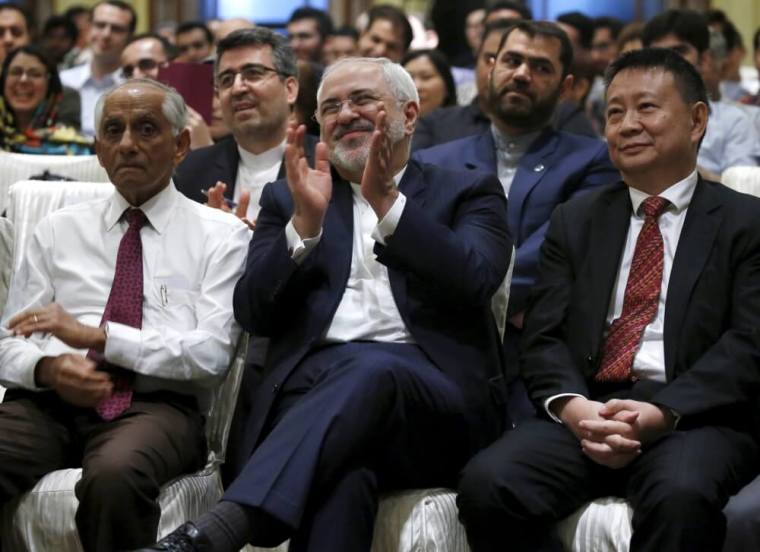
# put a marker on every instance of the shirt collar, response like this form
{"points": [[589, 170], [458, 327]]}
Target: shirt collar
{"points": [[157, 209], [679, 194], [357, 188], [513, 144], [109, 80], [264, 160]]}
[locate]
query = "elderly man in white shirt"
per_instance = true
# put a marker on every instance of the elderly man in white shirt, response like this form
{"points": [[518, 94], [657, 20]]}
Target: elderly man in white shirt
{"points": [[118, 323]]}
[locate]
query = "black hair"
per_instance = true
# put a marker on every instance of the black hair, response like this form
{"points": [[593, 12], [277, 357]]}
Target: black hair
{"points": [[169, 50], [689, 82], [283, 58], [26, 14], [612, 23], [442, 67], [396, 17], [497, 25], [61, 22], [688, 25], [188, 26], [727, 29], [519, 7], [582, 23], [122, 6], [346, 30], [54, 80], [544, 29], [322, 19]]}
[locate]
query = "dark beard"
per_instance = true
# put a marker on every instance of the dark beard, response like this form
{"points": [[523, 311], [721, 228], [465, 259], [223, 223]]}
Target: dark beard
{"points": [[537, 116]]}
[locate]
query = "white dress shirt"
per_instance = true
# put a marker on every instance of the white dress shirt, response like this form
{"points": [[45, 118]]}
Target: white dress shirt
{"points": [[254, 171], [80, 79], [731, 139], [509, 151], [649, 360], [367, 310], [192, 257]]}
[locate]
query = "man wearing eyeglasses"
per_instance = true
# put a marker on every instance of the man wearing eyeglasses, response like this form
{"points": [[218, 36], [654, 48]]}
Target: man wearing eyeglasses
{"points": [[113, 23], [144, 55], [372, 275], [256, 82]]}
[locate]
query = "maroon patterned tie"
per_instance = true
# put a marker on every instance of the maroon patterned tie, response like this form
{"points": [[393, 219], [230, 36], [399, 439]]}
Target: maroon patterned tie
{"points": [[642, 295], [125, 307]]}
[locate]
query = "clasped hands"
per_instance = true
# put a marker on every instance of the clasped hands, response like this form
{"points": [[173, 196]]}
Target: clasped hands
{"points": [[613, 433], [311, 189], [73, 377]]}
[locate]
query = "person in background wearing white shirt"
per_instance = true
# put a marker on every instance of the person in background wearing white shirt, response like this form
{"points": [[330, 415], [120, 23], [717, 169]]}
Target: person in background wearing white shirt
{"points": [[113, 23], [118, 327], [373, 277], [256, 81], [641, 347]]}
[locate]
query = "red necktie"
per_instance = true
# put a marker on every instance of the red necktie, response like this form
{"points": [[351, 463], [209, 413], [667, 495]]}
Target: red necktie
{"points": [[125, 307], [642, 295]]}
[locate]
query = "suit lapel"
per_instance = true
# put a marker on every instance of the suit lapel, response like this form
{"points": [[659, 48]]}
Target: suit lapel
{"points": [[530, 170], [694, 246], [309, 143], [481, 153]]}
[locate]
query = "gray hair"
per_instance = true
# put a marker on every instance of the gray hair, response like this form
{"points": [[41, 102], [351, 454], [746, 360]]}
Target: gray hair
{"points": [[398, 80], [283, 58], [173, 106]]}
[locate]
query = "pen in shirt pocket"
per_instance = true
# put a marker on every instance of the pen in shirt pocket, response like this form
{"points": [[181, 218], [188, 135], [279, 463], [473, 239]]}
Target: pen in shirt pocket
{"points": [[231, 204]]}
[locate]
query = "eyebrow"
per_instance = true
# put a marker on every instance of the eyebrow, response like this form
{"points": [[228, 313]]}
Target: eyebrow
{"points": [[352, 93], [531, 59]]}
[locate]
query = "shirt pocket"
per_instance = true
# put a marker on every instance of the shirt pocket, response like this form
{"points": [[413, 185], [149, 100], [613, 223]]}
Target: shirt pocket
{"points": [[175, 302]]}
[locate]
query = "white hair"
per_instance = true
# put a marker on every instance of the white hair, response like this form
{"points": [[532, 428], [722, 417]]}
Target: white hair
{"points": [[173, 106], [398, 80]]}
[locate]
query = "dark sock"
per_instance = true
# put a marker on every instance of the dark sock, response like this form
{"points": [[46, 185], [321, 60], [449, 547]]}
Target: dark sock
{"points": [[226, 526]]}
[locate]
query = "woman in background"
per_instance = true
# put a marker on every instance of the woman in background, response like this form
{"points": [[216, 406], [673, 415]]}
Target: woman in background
{"points": [[432, 77], [30, 107]]}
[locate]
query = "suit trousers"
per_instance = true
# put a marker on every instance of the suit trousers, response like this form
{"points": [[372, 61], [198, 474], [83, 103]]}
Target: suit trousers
{"points": [[512, 492], [124, 462], [353, 420]]}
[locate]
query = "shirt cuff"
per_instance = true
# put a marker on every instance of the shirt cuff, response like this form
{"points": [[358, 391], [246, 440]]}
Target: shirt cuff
{"points": [[387, 226], [547, 404], [297, 246], [123, 344]]}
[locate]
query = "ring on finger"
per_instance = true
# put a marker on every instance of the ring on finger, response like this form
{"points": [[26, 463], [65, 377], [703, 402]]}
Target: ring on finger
{"points": [[36, 320]]}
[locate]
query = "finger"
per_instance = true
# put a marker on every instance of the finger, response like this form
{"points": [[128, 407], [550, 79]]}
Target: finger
{"points": [[626, 416], [598, 430], [242, 208], [599, 449], [614, 406], [322, 158], [622, 445], [22, 317], [299, 141], [251, 224]]}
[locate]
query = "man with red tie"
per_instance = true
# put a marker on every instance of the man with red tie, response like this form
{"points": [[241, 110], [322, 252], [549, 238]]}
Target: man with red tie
{"points": [[118, 324], [641, 348]]}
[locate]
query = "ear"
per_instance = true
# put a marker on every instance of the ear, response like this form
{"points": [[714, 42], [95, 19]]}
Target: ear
{"points": [[182, 142], [411, 114], [699, 115], [566, 86], [291, 90]]}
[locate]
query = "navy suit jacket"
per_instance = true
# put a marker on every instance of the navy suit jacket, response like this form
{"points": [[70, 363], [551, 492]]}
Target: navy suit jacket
{"points": [[556, 167], [449, 123], [446, 258], [204, 167]]}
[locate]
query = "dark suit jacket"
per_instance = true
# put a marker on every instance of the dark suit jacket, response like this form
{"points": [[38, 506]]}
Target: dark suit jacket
{"points": [[712, 312], [446, 258], [449, 123], [204, 167], [555, 168]]}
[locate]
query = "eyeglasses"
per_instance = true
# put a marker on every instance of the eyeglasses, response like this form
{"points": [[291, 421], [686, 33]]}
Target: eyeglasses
{"points": [[252, 73], [361, 101], [144, 65], [31, 74]]}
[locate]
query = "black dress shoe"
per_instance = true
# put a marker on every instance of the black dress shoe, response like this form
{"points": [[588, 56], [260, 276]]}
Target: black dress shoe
{"points": [[185, 538]]}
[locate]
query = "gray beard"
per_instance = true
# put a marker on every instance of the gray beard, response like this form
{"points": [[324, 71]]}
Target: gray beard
{"points": [[353, 159]]}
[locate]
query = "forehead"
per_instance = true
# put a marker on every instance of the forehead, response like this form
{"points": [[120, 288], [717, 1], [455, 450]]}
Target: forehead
{"points": [[27, 60], [191, 35], [12, 17], [630, 84], [303, 25], [492, 41], [111, 14], [135, 100], [420, 63], [537, 46], [351, 77], [602, 34], [145, 48], [237, 57], [385, 29], [341, 42]]}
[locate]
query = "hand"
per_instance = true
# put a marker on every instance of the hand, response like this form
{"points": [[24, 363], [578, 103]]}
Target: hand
{"points": [[200, 135], [377, 184], [311, 189], [651, 422], [216, 200], [55, 320], [75, 379]]}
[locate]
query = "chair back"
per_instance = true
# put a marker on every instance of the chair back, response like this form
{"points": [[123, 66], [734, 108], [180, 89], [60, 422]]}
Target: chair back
{"points": [[742, 179]]}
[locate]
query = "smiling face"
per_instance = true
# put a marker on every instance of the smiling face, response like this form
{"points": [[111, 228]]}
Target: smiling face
{"points": [[26, 84], [652, 133], [382, 39], [304, 38], [429, 83], [135, 144], [143, 58]]}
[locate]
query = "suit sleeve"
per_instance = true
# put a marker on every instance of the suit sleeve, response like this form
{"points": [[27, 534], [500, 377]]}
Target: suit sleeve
{"points": [[547, 364], [467, 260]]}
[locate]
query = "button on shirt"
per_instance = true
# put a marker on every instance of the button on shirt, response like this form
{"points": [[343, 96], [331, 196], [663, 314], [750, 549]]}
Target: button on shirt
{"points": [[367, 310], [509, 151], [80, 78], [254, 171], [192, 258]]}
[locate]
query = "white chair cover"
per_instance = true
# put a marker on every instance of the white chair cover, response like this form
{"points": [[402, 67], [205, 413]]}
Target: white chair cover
{"points": [[743, 179], [21, 166], [6, 258]]}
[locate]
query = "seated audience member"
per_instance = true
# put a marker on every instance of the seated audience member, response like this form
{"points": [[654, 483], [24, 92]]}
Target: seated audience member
{"points": [[730, 79], [580, 30], [539, 167], [128, 327], [383, 369], [144, 55], [570, 113], [30, 118], [755, 100], [309, 75], [308, 29], [342, 43], [640, 347], [604, 49], [507, 9], [113, 23], [59, 35], [16, 27], [631, 38], [388, 33], [80, 16], [474, 25], [731, 138], [194, 42], [450, 123], [257, 85], [431, 74]]}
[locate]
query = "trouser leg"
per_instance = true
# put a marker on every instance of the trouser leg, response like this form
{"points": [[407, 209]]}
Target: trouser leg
{"points": [[743, 519]]}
